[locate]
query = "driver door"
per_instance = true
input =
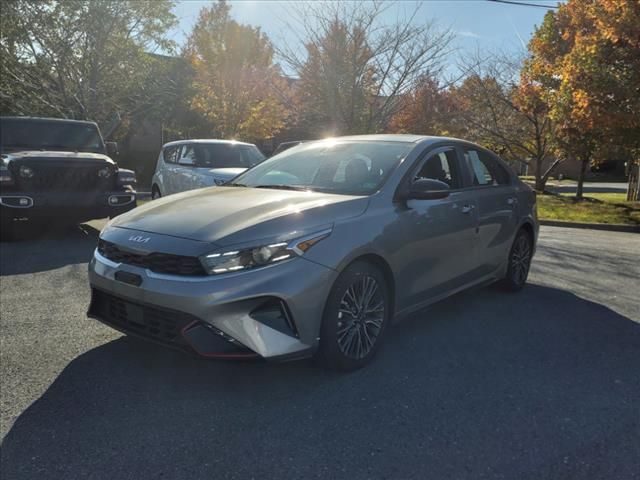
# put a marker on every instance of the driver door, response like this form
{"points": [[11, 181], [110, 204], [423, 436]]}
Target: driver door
{"points": [[440, 250]]}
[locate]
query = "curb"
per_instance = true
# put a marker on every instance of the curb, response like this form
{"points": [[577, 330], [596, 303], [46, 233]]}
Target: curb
{"points": [[612, 227]]}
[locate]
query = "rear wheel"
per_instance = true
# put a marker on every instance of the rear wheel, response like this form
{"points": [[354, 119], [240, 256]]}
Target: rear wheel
{"points": [[519, 262], [355, 318], [155, 193]]}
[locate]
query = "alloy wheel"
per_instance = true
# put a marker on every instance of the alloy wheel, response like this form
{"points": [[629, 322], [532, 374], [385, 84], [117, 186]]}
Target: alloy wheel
{"points": [[520, 260], [360, 317]]}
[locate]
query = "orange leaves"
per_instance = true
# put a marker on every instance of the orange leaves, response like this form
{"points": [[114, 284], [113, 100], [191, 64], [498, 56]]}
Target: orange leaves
{"points": [[237, 88], [587, 58]]}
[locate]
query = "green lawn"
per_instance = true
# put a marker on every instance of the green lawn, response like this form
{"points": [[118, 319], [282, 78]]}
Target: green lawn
{"points": [[595, 208]]}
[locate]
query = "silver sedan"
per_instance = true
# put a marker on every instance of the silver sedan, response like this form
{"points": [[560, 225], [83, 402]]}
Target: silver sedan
{"points": [[317, 250]]}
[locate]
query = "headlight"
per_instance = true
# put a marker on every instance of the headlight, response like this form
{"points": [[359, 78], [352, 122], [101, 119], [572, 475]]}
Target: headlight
{"points": [[234, 260], [26, 172], [126, 177], [104, 172]]}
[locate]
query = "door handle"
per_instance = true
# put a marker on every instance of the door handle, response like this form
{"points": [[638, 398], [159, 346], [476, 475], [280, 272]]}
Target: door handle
{"points": [[467, 208]]}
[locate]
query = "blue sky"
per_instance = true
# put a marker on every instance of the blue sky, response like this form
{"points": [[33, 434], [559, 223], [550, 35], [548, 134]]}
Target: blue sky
{"points": [[478, 23]]}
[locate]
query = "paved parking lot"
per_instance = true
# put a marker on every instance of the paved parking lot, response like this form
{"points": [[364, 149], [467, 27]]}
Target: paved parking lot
{"points": [[540, 384]]}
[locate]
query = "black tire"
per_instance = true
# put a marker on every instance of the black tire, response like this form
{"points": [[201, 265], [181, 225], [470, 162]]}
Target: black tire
{"points": [[348, 341], [519, 262], [155, 193]]}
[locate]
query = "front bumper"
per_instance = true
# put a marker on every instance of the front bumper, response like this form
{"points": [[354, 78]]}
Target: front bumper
{"points": [[230, 307], [66, 206]]}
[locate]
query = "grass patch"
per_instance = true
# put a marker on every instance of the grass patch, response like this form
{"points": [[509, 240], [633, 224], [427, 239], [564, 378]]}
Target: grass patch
{"points": [[596, 208]]}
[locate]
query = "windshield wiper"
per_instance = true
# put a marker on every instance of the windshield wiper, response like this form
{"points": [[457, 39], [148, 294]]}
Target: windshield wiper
{"points": [[279, 186]]}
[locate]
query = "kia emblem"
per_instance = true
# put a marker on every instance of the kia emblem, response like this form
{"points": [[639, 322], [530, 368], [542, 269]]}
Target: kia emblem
{"points": [[138, 239]]}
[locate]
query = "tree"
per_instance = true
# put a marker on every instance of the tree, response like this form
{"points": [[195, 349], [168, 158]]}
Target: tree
{"points": [[491, 108], [427, 109], [236, 84], [82, 59], [354, 69], [586, 60]]}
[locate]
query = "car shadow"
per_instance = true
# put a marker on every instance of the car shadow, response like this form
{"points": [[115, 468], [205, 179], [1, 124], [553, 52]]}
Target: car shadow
{"points": [[48, 249], [540, 384]]}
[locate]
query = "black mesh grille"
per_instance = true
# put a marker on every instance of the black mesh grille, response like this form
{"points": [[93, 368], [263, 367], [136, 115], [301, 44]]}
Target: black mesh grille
{"points": [[64, 176], [156, 262], [163, 326]]}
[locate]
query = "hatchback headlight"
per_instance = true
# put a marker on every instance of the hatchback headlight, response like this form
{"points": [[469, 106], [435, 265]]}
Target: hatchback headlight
{"points": [[228, 261]]}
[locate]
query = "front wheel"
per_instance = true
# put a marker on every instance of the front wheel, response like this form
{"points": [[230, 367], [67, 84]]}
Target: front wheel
{"points": [[519, 262], [155, 193], [355, 318]]}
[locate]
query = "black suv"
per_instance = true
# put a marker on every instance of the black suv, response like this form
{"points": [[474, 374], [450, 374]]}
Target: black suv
{"points": [[56, 170]]}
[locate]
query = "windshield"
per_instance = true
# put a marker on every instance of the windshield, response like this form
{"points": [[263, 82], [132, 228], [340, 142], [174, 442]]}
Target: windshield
{"points": [[347, 167], [43, 135], [221, 155]]}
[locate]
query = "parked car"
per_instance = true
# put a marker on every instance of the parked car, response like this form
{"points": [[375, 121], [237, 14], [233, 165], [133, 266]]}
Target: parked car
{"points": [[316, 250], [56, 170], [285, 146], [188, 164]]}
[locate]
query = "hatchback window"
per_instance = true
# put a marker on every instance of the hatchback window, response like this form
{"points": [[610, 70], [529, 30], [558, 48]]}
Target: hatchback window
{"points": [[221, 155], [170, 154], [188, 155], [251, 155]]}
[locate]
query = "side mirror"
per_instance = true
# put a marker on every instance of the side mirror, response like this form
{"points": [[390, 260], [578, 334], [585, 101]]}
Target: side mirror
{"points": [[428, 189], [112, 148]]}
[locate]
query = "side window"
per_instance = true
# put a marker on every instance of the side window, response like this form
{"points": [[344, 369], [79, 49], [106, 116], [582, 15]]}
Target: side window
{"points": [[441, 166], [484, 169], [188, 156], [170, 154]]}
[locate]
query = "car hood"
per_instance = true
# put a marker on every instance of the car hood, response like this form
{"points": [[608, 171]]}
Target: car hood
{"points": [[235, 215], [53, 155]]}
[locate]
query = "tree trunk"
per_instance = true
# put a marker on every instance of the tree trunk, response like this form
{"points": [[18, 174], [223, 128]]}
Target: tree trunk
{"points": [[633, 191], [584, 163]]}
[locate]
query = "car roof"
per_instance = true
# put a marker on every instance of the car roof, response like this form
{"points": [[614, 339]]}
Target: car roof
{"points": [[399, 137], [207, 140], [46, 119]]}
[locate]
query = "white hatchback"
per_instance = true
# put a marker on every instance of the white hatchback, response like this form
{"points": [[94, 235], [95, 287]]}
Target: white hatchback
{"points": [[189, 164]]}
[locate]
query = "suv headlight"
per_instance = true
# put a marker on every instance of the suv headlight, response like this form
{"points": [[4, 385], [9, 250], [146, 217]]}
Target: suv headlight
{"points": [[228, 261], [126, 177]]}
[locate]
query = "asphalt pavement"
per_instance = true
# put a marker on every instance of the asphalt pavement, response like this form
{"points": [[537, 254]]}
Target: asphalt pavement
{"points": [[536, 385]]}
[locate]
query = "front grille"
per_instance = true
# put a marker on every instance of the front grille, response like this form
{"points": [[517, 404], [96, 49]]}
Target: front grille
{"points": [[156, 262], [163, 326], [53, 176]]}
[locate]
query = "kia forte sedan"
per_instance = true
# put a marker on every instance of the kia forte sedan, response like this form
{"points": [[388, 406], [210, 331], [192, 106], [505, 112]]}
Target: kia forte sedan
{"points": [[317, 250]]}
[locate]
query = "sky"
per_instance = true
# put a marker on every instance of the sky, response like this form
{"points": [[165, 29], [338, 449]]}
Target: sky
{"points": [[478, 24]]}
